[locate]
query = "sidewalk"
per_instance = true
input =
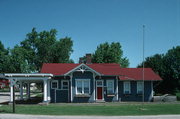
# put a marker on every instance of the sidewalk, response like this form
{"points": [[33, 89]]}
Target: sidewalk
{"points": [[19, 116]]}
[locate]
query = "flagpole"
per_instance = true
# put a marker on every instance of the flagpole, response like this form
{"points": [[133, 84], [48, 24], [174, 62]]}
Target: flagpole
{"points": [[143, 63]]}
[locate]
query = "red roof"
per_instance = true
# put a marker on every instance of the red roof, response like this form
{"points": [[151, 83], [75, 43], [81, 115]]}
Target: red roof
{"points": [[63, 68], [109, 69], [106, 68], [137, 74], [57, 68]]}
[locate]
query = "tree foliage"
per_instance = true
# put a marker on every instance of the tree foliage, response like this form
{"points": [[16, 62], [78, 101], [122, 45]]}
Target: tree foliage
{"points": [[3, 57], [36, 49], [168, 67], [110, 53]]}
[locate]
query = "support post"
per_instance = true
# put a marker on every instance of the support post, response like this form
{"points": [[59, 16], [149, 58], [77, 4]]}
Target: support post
{"points": [[11, 92], [152, 91], [94, 84], [71, 88], [21, 90], [48, 83], [13, 99], [117, 97], [45, 91], [28, 91]]}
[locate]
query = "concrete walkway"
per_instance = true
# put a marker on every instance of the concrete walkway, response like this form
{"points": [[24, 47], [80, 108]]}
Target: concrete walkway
{"points": [[19, 116]]}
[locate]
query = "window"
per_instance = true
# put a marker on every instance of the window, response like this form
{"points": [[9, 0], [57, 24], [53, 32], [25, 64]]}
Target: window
{"points": [[79, 87], [64, 84], [99, 84], [54, 84], [86, 87], [139, 87], [110, 86], [82, 86], [127, 87]]}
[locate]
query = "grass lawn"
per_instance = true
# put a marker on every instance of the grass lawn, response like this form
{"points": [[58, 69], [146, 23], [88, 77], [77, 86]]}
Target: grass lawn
{"points": [[95, 109]]}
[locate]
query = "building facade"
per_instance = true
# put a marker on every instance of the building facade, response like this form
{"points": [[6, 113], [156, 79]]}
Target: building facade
{"points": [[99, 83]]}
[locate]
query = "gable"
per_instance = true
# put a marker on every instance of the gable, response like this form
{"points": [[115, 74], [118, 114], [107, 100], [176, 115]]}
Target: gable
{"points": [[82, 68]]}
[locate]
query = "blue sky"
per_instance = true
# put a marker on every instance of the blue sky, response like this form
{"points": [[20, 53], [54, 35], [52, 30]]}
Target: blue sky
{"points": [[91, 22]]}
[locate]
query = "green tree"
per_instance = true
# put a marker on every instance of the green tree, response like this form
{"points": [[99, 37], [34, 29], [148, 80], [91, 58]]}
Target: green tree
{"points": [[43, 47], [172, 69], [3, 57], [110, 53], [168, 67], [61, 50], [36, 49], [156, 62], [18, 59], [37, 46]]}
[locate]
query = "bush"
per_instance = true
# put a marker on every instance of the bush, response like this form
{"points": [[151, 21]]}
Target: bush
{"points": [[178, 96]]}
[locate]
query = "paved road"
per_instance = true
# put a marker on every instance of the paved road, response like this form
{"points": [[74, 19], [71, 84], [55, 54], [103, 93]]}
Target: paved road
{"points": [[4, 97], [18, 116]]}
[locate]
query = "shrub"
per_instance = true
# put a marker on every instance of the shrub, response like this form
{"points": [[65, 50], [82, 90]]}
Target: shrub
{"points": [[178, 96]]}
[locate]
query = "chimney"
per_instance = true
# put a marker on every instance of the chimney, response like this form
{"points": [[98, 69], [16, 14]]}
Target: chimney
{"points": [[81, 60], [88, 59]]}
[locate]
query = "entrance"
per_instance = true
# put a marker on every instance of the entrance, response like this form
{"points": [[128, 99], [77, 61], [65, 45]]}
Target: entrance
{"points": [[62, 95], [99, 90]]}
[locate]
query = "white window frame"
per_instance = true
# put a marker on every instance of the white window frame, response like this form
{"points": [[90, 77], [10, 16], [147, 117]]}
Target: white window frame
{"points": [[102, 86], [82, 86], [138, 87], [129, 83], [54, 81], [107, 81], [62, 84]]}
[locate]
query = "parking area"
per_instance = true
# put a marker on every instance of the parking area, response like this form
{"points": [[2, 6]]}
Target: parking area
{"points": [[4, 97]]}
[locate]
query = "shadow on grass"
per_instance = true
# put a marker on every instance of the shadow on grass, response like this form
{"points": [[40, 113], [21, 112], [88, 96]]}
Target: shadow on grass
{"points": [[5, 107], [34, 100], [5, 111]]}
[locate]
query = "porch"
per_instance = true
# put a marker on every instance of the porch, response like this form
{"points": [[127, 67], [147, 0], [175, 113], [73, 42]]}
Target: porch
{"points": [[24, 80]]}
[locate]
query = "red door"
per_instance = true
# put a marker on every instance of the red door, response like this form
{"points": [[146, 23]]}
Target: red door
{"points": [[99, 93]]}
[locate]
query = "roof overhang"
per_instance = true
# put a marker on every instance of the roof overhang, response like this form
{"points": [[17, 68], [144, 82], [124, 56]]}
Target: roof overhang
{"points": [[125, 78], [28, 76]]}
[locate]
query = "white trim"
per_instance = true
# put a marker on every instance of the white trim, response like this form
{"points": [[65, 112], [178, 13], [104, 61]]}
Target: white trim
{"points": [[129, 83], [28, 75], [45, 91], [152, 90], [82, 80], [49, 88], [117, 93], [62, 84], [54, 81], [102, 89], [30, 79], [76, 69], [71, 88], [11, 91], [94, 83], [107, 81], [138, 87]]}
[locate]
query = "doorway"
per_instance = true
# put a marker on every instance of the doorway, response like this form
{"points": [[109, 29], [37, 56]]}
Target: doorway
{"points": [[99, 90]]}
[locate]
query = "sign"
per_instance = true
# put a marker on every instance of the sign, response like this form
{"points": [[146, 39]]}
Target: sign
{"points": [[13, 82]]}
